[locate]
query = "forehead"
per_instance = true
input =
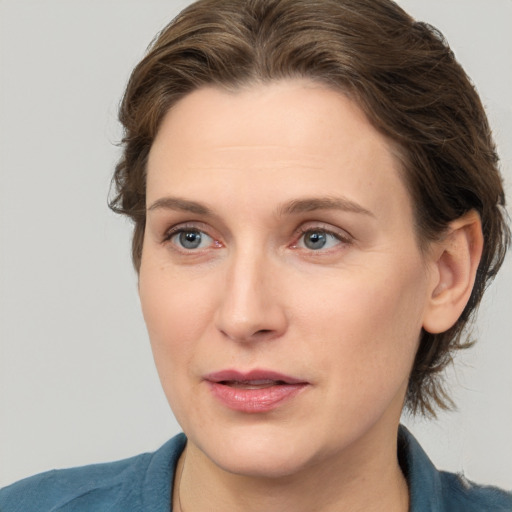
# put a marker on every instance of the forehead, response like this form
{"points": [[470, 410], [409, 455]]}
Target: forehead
{"points": [[286, 112], [279, 140]]}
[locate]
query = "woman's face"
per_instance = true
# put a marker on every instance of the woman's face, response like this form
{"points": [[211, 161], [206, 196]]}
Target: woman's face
{"points": [[281, 281]]}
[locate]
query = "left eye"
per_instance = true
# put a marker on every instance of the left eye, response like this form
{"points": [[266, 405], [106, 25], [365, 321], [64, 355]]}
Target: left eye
{"points": [[191, 239], [317, 239]]}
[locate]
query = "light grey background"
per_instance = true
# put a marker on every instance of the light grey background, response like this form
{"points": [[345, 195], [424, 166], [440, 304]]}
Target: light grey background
{"points": [[77, 381]]}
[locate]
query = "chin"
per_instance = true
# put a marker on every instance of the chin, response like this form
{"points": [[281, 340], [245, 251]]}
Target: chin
{"points": [[258, 451], [258, 462]]}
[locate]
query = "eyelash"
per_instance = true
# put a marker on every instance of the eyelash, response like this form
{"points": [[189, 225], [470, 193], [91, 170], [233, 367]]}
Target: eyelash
{"points": [[169, 234], [304, 230]]}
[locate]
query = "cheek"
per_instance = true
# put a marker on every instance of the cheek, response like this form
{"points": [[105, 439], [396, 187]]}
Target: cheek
{"points": [[368, 331], [177, 311]]}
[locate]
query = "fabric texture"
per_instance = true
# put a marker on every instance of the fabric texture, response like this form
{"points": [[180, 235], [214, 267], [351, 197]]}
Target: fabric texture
{"points": [[143, 484]]}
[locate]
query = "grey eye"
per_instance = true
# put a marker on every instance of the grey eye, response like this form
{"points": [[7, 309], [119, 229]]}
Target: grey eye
{"points": [[190, 239], [315, 240], [319, 240]]}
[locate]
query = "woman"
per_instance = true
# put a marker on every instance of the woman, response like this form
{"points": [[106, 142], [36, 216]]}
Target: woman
{"points": [[317, 211]]}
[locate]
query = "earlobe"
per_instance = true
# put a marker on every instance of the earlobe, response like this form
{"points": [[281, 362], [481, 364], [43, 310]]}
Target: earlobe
{"points": [[456, 258]]}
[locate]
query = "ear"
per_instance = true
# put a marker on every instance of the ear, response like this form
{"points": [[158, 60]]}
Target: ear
{"points": [[455, 259]]}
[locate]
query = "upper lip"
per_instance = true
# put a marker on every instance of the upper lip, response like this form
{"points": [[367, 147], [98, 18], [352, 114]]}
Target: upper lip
{"points": [[231, 375]]}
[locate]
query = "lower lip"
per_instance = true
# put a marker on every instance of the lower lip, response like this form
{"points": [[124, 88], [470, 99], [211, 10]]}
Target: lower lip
{"points": [[255, 400]]}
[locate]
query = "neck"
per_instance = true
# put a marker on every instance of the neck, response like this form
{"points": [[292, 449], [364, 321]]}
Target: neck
{"points": [[369, 481]]}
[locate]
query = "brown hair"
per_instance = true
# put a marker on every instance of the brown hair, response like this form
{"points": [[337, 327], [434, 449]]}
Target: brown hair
{"points": [[401, 73]]}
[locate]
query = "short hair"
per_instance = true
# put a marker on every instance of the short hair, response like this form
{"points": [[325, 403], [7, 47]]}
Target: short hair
{"points": [[400, 72]]}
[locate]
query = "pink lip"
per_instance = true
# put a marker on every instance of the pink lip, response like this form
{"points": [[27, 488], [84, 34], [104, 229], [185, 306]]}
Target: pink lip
{"points": [[256, 391]]}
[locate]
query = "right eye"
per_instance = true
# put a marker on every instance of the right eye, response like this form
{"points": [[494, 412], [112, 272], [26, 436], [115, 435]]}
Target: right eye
{"points": [[190, 239]]}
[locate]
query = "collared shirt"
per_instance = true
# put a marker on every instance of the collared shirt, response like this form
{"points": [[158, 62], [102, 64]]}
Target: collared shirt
{"points": [[431, 490], [144, 483]]}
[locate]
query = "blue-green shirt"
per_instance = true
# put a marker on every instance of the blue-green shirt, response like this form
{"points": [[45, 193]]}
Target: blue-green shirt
{"points": [[143, 484]]}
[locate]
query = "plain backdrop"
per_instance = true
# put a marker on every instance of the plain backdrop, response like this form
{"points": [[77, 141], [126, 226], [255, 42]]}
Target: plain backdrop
{"points": [[77, 383]]}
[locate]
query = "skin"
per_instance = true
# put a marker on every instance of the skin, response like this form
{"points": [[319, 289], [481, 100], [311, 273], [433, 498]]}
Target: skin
{"points": [[252, 171]]}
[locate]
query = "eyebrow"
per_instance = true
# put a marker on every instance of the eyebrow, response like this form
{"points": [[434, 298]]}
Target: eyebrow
{"points": [[295, 206], [322, 203], [176, 203]]}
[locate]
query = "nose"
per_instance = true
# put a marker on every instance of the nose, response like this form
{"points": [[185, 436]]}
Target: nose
{"points": [[250, 307]]}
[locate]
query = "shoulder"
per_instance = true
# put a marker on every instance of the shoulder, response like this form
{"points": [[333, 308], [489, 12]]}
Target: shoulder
{"points": [[461, 494], [139, 483], [441, 491]]}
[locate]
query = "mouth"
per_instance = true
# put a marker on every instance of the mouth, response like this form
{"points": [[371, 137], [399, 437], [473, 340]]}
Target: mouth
{"points": [[253, 384], [257, 391]]}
